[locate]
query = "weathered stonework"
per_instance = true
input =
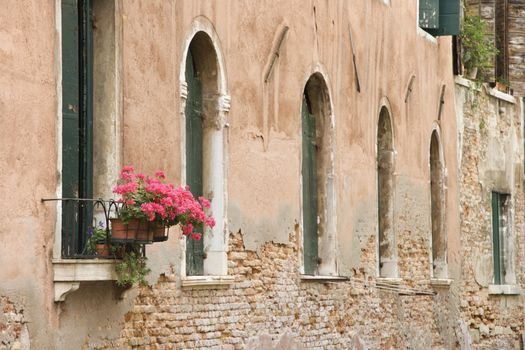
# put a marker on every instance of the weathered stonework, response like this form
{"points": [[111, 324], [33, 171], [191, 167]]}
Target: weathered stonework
{"points": [[13, 328], [270, 304], [491, 141]]}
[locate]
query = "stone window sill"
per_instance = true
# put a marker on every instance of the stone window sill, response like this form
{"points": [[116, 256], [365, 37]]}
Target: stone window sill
{"points": [[461, 80], [505, 289], [500, 95], [441, 282], [429, 38], [207, 282], [393, 281], [316, 278], [68, 273]]}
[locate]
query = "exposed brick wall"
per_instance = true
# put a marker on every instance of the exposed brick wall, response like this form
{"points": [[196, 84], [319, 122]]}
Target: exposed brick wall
{"points": [[12, 324], [489, 162], [268, 299]]}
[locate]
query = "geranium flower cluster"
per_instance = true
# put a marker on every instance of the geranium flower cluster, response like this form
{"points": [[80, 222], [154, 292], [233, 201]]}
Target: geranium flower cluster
{"points": [[151, 199]]}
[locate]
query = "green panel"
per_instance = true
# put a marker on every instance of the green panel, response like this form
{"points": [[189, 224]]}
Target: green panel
{"points": [[86, 125], [429, 14], [496, 237], [309, 177], [193, 113], [70, 99], [449, 17], [86, 85], [77, 118]]}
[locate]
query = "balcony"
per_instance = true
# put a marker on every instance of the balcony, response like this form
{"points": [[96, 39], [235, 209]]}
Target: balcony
{"points": [[75, 259]]}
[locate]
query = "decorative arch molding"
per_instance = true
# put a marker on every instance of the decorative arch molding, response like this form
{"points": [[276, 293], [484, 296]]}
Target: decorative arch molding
{"points": [[317, 105], [208, 60], [204, 25]]}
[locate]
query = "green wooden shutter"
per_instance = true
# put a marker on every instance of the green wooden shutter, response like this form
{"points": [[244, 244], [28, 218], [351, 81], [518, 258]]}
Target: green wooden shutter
{"points": [[309, 177], [77, 122], [496, 237], [429, 14], [70, 100], [86, 86], [193, 113], [449, 17]]}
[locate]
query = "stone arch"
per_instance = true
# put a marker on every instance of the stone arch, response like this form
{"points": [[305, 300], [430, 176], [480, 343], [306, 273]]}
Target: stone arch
{"points": [[387, 253], [204, 109], [318, 194], [437, 207]]}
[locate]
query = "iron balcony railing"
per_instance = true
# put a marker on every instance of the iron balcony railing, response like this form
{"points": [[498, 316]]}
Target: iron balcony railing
{"points": [[80, 217]]}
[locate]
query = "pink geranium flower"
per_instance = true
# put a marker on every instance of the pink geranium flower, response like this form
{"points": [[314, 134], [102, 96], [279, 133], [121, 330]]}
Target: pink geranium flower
{"points": [[151, 199]]}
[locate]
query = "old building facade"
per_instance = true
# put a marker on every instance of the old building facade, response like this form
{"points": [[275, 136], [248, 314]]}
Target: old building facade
{"points": [[355, 181]]}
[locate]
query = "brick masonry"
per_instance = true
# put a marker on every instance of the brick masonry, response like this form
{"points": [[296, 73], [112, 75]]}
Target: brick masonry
{"points": [[491, 159], [269, 304], [13, 331]]}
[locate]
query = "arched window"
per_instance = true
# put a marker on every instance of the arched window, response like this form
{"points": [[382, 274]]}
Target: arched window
{"points": [[385, 194], [437, 206], [204, 118], [318, 205]]}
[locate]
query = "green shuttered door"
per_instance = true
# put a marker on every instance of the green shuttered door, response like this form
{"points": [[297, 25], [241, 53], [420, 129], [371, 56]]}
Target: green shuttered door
{"points": [[77, 120], [309, 177], [70, 100], [193, 113]]}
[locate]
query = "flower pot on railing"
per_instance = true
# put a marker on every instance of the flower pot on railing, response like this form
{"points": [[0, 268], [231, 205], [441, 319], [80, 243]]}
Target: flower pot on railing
{"points": [[124, 232], [158, 205], [144, 232]]}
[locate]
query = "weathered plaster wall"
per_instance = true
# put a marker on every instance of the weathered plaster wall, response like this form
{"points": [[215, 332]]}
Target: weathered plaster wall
{"points": [[264, 173], [491, 148], [28, 109], [263, 167]]}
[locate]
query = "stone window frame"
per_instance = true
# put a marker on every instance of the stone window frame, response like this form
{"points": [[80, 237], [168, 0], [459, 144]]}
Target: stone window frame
{"points": [[394, 268], [69, 273], [216, 249], [327, 243], [442, 271]]}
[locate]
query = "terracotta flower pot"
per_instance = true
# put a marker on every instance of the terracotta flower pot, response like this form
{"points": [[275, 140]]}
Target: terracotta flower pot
{"points": [[102, 249], [144, 232], [124, 232]]}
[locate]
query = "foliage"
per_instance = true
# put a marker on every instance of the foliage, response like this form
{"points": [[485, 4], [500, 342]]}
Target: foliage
{"points": [[478, 49], [150, 198], [132, 269], [96, 234]]}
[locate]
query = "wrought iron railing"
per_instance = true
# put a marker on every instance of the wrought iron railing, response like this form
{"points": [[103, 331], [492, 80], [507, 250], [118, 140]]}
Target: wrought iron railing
{"points": [[80, 218]]}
